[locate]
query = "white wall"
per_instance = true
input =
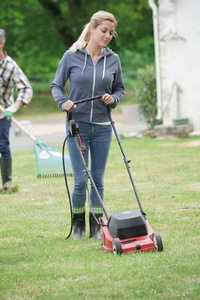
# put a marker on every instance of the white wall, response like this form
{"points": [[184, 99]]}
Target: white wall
{"points": [[179, 47]]}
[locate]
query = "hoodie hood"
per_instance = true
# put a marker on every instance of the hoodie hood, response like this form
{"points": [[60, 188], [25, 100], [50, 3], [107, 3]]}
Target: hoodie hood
{"points": [[106, 52]]}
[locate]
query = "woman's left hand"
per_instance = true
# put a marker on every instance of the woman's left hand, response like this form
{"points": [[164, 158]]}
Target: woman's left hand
{"points": [[107, 99]]}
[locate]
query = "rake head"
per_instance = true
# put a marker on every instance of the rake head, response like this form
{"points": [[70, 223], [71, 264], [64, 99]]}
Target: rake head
{"points": [[50, 162]]}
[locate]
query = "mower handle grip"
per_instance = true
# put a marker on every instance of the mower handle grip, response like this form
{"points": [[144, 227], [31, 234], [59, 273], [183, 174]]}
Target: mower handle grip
{"points": [[88, 99]]}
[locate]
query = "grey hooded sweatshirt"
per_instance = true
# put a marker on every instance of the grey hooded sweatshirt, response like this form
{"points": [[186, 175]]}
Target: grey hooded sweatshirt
{"points": [[87, 80]]}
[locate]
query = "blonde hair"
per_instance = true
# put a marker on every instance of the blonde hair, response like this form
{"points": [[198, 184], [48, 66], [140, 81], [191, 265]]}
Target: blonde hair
{"points": [[95, 21]]}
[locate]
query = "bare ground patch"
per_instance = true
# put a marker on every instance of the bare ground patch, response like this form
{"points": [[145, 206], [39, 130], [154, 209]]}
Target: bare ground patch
{"points": [[186, 144]]}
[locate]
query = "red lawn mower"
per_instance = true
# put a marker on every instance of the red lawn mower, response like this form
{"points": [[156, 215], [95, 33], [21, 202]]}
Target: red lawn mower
{"points": [[125, 231]]}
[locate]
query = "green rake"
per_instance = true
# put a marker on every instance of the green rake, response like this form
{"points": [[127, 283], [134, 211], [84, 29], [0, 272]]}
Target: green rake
{"points": [[49, 160]]}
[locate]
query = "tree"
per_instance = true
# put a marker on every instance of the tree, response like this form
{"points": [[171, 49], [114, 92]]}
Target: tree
{"points": [[32, 39], [146, 94], [135, 18], [69, 16], [39, 31], [135, 28]]}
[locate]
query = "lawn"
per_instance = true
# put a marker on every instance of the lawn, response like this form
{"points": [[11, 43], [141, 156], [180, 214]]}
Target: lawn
{"points": [[37, 262]]}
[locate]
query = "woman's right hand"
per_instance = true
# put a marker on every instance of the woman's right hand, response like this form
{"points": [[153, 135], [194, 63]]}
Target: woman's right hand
{"points": [[69, 105]]}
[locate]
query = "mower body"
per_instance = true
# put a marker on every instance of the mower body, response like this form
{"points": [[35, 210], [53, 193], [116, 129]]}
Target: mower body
{"points": [[127, 232]]}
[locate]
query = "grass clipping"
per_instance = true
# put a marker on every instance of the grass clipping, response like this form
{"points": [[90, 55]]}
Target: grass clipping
{"points": [[8, 189]]}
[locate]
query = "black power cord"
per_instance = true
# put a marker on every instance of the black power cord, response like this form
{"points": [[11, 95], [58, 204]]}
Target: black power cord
{"points": [[73, 131], [66, 184]]}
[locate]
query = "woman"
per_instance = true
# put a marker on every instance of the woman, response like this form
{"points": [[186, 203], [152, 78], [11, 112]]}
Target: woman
{"points": [[92, 69]]}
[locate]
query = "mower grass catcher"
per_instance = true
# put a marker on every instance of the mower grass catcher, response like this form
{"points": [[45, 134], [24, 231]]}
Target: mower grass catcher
{"points": [[126, 231]]}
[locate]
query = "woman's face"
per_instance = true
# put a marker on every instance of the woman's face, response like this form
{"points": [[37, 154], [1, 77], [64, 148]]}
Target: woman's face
{"points": [[103, 34]]}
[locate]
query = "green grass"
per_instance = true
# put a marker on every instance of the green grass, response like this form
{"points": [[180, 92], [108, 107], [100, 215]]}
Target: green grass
{"points": [[38, 263]]}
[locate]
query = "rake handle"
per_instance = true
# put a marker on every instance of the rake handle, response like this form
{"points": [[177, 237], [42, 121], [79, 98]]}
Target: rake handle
{"points": [[19, 125]]}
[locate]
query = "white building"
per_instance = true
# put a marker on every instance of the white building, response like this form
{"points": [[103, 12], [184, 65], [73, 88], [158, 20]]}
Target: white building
{"points": [[177, 55]]}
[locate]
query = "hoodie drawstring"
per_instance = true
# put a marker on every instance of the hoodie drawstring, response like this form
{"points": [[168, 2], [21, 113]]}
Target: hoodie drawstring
{"points": [[104, 68], [84, 63]]}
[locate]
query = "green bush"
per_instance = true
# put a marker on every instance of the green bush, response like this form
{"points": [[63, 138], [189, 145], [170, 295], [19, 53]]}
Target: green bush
{"points": [[145, 94]]}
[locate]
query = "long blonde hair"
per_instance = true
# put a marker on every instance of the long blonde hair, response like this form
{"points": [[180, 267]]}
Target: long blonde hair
{"points": [[95, 21]]}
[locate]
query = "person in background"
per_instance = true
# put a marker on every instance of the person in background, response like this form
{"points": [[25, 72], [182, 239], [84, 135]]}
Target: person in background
{"points": [[10, 76], [92, 69]]}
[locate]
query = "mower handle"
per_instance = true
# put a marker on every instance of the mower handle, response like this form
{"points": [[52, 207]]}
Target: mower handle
{"points": [[125, 160], [88, 99]]}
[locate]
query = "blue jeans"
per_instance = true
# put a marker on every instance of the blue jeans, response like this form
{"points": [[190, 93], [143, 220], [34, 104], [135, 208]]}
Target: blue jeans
{"points": [[4, 138], [97, 139]]}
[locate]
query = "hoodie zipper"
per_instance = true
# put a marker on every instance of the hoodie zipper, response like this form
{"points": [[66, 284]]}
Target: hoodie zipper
{"points": [[94, 82], [93, 87]]}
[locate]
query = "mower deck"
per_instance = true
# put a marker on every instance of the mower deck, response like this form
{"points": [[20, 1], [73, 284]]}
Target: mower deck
{"points": [[144, 243]]}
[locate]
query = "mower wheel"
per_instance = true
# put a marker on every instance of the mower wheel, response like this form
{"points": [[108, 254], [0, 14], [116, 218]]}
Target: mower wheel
{"points": [[117, 248], [158, 241]]}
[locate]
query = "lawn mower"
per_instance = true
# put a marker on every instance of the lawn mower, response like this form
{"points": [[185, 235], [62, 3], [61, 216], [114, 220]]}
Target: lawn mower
{"points": [[125, 231]]}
